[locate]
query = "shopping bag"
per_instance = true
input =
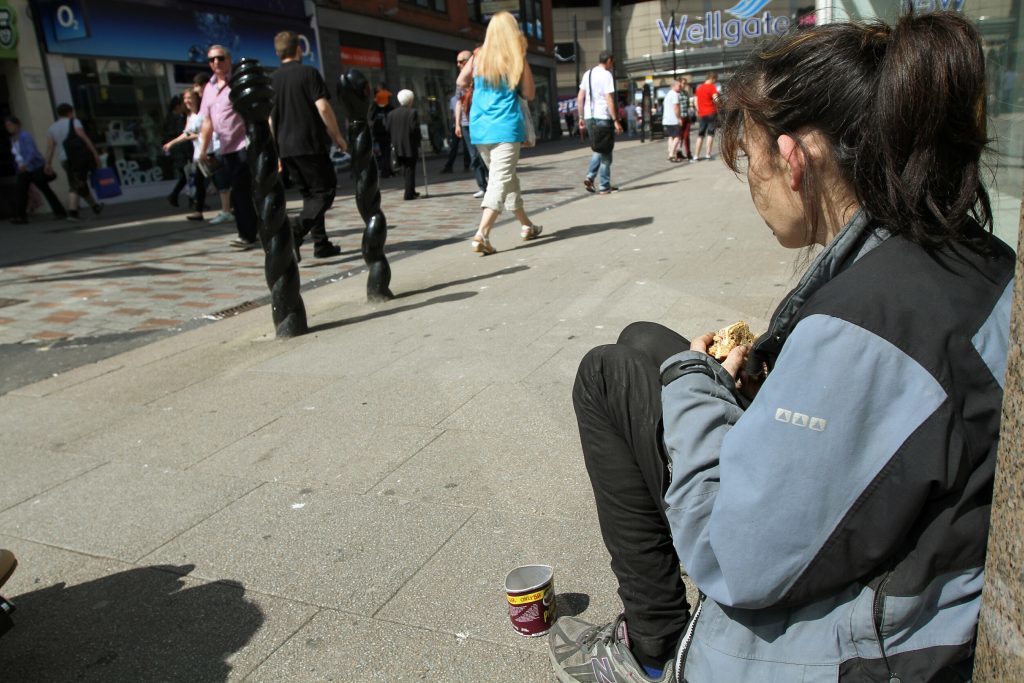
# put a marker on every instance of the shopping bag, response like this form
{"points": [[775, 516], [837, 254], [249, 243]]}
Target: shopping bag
{"points": [[105, 183]]}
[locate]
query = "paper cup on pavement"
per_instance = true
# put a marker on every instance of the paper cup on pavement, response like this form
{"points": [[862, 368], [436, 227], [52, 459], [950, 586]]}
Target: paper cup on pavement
{"points": [[530, 591]]}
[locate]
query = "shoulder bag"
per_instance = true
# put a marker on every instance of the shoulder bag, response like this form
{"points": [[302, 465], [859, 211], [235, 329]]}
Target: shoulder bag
{"points": [[78, 155]]}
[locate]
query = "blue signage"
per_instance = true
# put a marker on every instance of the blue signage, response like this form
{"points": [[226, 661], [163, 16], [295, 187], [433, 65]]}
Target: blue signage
{"points": [[182, 33], [732, 32]]}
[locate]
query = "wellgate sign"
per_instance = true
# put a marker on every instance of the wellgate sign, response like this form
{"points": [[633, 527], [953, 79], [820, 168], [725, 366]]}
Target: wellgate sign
{"points": [[713, 27]]}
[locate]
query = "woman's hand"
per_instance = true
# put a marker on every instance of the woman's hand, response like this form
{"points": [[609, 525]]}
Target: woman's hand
{"points": [[733, 363]]}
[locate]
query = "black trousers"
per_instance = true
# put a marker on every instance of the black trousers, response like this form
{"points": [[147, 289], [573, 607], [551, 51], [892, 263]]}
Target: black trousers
{"points": [[617, 397], [37, 178], [453, 151], [408, 165], [236, 166], [317, 182]]}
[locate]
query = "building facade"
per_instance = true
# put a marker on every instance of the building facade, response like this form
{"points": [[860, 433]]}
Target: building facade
{"points": [[658, 39]]}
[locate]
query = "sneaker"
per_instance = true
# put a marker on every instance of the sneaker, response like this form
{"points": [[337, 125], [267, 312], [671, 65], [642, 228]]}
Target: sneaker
{"points": [[588, 183], [222, 217], [706, 157], [530, 232], [97, 208], [581, 651], [479, 194], [608, 190], [326, 250], [244, 245]]}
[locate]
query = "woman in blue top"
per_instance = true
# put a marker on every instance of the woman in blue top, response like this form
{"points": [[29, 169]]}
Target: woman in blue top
{"points": [[495, 71]]}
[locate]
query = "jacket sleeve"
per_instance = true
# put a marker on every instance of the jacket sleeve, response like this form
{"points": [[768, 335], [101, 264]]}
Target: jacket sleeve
{"points": [[758, 500]]}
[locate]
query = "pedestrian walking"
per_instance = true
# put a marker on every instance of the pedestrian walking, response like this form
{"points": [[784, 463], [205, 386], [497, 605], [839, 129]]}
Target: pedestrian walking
{"points": [[304, 127], [707, 115], [671, 118], [379, 110], [199, 180], [455, 142], [30, 171], [687, 116], [77, 155], [403, 126], [462, 109], [218, 116], [177, 115], [828, 488], [596, 101], [495, 71]]}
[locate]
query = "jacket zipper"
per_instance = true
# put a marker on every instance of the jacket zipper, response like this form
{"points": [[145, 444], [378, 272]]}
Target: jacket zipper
{"points": [[878, 616], [684, 644]]}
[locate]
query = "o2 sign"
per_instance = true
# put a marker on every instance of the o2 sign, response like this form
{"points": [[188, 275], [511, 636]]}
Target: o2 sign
{"points": [[69, 21]]}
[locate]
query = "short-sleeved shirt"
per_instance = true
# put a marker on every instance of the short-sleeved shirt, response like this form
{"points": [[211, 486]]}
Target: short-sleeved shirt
{"points": [[706, 93], [298, 128], [227, 123], [668, 116], [597, 83], [495, 116], [59, 130]]}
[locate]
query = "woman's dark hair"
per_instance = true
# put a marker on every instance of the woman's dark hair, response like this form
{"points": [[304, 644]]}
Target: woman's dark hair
{"points": [[63, 109], [12, 120], [903, 109]]}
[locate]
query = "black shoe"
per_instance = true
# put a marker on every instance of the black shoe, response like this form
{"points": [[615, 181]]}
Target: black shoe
{"points": [[588, 184], [446, 169], [97, 208], [326, 250], [415, 196], [172, 200]]}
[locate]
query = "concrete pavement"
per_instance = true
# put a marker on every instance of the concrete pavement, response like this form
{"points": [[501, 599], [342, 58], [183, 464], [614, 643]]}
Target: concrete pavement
{"points": [[345, 505]]}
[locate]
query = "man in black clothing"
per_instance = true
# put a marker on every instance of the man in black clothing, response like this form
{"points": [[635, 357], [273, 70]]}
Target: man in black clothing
{"points": [[304, 126]]}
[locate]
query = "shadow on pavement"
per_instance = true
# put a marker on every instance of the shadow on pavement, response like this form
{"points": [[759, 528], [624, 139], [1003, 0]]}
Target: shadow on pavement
{"points": [[464, 281], [630, 188], [447, 298], [145, 624], [582, 230], [572, 604]]}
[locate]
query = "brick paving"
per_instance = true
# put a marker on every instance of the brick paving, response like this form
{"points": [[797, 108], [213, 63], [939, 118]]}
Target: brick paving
{"points": [[189, 275]]}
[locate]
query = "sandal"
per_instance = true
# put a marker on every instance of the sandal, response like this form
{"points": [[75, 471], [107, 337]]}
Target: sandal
{"points": [[482, 245], [530, 232]]}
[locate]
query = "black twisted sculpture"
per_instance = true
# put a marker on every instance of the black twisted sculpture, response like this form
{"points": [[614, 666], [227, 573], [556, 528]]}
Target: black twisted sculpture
{"points": [[253, 98], [354, 96]]}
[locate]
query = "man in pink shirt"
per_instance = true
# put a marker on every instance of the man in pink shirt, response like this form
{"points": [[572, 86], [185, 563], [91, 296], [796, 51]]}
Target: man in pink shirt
{"points": [[220, 117]]}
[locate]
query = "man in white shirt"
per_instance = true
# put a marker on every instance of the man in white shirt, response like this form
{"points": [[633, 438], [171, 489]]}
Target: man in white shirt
{"points": [[599, 115], [671, 118]]}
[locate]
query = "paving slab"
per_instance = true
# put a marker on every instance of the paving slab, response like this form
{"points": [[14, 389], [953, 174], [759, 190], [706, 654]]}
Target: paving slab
{"points": [[25, 477], [485, 469], [95, 619], [320, 449], [321, 545], [121, 510], [342, 647]]}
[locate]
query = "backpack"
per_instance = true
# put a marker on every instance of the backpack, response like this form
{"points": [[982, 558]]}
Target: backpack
{"points": [[77, 152]]}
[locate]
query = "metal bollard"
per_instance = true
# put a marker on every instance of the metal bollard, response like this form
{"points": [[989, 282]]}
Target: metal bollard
{"points": [[354, 96], [253, 98]]}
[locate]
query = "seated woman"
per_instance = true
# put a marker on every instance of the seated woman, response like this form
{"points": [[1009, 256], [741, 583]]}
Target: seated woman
{"points": [[828, 489]]}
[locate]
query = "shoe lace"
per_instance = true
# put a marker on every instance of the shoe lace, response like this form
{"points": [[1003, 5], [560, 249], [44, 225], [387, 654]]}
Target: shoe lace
{"points": [[607, 634]]}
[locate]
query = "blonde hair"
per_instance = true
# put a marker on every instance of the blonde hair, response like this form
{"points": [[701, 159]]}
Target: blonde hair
{"points": [[503, 55]]}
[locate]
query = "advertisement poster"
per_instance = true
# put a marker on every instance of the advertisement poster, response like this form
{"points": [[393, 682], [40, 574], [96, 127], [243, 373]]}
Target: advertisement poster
{"points": [[179, 33]]}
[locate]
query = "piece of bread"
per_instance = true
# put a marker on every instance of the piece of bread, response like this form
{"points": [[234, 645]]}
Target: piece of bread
{"points": [[728, 338]]}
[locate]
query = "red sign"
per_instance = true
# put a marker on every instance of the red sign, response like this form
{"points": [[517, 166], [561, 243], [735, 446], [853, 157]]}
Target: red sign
{"points": [[355, 56]]}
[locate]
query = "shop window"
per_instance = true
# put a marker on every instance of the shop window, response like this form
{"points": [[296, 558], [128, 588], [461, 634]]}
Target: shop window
{"points": [[123, 106]]}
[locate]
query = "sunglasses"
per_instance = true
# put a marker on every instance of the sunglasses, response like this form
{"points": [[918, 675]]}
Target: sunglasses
{"points": [[216, 58]]}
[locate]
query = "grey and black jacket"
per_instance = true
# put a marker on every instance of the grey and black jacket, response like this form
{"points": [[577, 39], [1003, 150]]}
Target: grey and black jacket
{"points": [[836, 527]]}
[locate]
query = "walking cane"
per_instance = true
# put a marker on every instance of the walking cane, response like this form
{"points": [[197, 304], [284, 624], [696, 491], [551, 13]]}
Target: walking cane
{"points": [[426, 185]]}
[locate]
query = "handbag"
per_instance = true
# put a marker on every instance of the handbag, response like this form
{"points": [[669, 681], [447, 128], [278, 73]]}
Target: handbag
{"points": [[78, 155], [531, 133], [105, 183], [602, 138]]}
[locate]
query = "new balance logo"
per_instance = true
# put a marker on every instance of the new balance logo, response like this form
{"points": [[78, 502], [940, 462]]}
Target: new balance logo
{"points": [[603, 671], [815, 424]]}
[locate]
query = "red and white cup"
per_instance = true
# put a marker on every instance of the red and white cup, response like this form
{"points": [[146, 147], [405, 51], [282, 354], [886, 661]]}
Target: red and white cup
{"points": [[530, 591]]}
